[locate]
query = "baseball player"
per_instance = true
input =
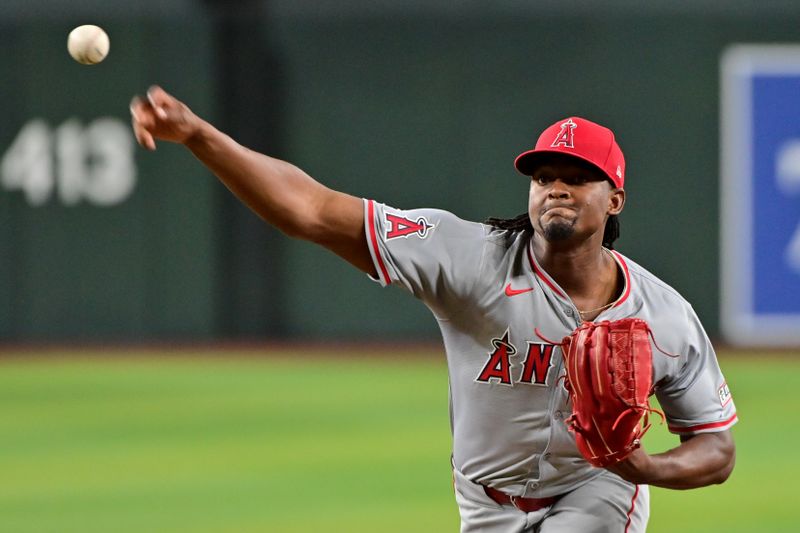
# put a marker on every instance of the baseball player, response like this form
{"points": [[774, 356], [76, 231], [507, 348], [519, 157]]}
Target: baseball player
{"points": [[497, 290]]}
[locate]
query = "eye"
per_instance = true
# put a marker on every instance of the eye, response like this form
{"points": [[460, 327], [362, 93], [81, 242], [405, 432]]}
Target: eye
{"points": [[578, 179], [542, 179]]}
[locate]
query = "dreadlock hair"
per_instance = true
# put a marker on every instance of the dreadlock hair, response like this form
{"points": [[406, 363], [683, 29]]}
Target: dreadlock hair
{"points": [[523, 223]]}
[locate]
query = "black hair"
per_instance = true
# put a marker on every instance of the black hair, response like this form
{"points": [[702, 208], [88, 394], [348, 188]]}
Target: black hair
{"points": [[523, 223]]}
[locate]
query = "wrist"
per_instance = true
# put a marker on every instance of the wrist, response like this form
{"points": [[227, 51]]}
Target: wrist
{"points": [[199, 134], [647, 471], [639, 468]]}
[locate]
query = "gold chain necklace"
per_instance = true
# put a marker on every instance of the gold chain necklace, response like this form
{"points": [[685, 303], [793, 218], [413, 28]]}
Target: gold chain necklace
{"points": [[602, 307], [590, 311]]}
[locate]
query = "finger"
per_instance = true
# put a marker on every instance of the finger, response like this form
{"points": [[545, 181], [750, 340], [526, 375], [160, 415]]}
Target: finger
{"points": [[157, 93], [138, 103], [140, 118], [138, 108], [159, 99], [149, 141], [143, 137], [143, 117], [143, 112]]}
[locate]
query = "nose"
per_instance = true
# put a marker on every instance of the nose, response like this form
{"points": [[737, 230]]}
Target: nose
{"points": [[558, 189]]}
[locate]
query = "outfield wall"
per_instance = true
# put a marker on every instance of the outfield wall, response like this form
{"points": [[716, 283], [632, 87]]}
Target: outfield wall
{"points": [[422, 107]]}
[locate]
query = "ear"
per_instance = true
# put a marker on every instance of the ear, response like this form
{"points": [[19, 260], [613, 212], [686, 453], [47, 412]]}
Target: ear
{"points": [[616, 201]]}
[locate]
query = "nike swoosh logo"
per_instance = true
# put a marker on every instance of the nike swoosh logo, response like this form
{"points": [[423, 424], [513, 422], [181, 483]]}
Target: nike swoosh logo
{"points": [[514, 292]]}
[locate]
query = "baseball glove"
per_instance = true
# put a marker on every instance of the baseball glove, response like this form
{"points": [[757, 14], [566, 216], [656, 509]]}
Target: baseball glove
{"points": [[609, 379]]}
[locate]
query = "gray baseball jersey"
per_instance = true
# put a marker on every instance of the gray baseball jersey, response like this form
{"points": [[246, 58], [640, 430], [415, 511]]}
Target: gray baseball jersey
{"points": [[507, 403]]}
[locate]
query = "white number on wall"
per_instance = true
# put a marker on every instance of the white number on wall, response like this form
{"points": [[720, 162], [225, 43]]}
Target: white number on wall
{"points": [[73, 162]]}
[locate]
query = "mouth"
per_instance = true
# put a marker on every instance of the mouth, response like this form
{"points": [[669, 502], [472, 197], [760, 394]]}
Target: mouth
{"points": [[559, 210]]}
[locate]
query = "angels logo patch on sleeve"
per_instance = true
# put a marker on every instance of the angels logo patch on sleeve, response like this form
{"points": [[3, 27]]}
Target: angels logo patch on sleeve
{"points": [[724, 394], [397, 226]]}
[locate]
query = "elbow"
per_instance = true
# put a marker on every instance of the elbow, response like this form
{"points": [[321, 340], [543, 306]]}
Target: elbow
{"points": [[294, 231], [311, 222], [729, 461], [303, 228], [725, 472]]}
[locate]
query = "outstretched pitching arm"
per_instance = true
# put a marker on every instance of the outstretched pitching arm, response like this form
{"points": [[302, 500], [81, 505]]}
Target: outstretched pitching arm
{"points": [[279, 192]]}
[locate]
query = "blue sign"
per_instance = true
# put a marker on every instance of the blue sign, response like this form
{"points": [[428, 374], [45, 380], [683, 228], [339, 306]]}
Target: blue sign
{"points": [[760, 192]]}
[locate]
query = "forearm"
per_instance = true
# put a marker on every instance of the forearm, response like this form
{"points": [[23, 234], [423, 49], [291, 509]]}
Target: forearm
{"points": [[277, 191], [694, 463], [702, 460]]}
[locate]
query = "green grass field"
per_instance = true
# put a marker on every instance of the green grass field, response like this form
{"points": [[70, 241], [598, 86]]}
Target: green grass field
{"points": [[301, 442]]}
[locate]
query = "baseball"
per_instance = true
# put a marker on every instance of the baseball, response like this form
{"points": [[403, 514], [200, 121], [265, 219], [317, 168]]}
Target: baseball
{"points": [[88, 44]]}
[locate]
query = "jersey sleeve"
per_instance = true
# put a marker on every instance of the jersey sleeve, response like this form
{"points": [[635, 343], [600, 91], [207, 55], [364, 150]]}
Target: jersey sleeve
{"points": [[430, 252], [695, 396]]}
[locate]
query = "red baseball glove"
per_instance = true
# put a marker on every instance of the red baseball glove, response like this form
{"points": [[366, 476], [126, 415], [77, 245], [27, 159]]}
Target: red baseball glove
{"points": [[609, 379]]}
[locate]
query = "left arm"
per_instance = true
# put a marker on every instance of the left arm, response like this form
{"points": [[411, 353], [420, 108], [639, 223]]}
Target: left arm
{"points": [[700, 460]]}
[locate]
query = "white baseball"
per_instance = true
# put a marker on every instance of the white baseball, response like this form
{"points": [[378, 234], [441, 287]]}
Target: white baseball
{"points": [[88, 44]]}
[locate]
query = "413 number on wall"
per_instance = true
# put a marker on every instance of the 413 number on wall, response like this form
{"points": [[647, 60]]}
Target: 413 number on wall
{"points": [[71, 162]]}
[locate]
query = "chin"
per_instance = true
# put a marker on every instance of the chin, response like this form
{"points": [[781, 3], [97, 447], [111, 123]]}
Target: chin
{"points": [[558, 231]]}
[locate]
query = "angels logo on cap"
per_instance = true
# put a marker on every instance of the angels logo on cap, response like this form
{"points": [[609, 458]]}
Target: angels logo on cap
{"points": [[581, 138], [564, 137]]}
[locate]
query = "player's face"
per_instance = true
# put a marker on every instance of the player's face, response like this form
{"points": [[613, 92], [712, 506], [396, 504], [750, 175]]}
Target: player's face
{"points": [[571, 201]]}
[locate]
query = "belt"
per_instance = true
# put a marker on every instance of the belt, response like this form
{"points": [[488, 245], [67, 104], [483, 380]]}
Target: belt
{"points": [[527, 505]]}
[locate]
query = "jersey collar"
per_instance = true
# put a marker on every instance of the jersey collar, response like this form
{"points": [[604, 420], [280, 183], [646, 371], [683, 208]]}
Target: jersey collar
{"points": [[548, 281]]}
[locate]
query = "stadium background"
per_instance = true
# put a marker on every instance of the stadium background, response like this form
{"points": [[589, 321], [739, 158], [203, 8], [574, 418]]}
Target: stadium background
{"points": [[419, 103]]}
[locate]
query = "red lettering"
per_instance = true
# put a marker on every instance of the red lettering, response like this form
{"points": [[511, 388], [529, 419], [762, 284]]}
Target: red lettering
{"points": [[537, 363], [498, 366]]}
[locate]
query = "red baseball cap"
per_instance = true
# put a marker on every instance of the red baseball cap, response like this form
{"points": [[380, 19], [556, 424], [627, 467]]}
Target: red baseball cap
{"points": [[581, 138]]}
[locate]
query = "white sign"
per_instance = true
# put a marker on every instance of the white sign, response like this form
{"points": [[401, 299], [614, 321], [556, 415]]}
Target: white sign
{"points": [[760, 191]]}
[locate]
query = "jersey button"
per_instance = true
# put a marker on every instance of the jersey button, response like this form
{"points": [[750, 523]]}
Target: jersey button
{"points": [[546, 456], [568, 311], [557, 415]]}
